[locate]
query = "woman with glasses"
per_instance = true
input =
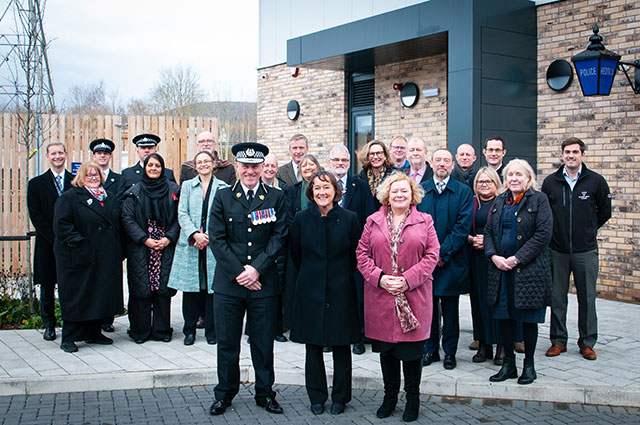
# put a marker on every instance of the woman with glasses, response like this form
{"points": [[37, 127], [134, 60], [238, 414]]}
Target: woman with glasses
{"points": [[295, 197], [376, 166], [88, 258], [192, 253], [485, 187]]}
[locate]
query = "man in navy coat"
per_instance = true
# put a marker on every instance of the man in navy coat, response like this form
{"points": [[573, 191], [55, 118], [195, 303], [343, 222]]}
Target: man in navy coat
{"points": [[450, 203], [356, 197], [42, 193]]}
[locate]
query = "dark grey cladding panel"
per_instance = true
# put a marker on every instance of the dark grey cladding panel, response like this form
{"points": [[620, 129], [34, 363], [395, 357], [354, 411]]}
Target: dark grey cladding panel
{"points": [[508, 93], [510, 15], [508, 118], [508, 68], [509, 43]]}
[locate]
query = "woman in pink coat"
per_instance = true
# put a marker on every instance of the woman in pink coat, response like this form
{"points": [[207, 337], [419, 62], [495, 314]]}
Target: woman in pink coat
{"points": [[396, 256]]}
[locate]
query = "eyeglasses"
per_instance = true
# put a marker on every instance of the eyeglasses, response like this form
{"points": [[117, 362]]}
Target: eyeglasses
{"points": [[343, 160], [398, 148], [93, 176], [492, 150], [376, 153], [484, 182]]}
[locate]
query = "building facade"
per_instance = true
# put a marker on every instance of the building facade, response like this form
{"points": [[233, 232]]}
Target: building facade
{"points": [[480, 68]]}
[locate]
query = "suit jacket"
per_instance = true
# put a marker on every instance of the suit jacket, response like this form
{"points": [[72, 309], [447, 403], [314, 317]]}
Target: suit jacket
{"points": [[452, 212], [428, 173], [286, 174], [133, 175], [293, 201], [358, 199], [112, 182], [41, 199], [236, 241]]}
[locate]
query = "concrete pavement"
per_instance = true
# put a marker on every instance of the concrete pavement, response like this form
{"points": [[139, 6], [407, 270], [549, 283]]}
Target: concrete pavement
{"points": [[30, 365]]}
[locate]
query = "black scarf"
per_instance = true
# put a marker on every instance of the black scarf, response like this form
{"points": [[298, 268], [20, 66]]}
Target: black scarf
{"points": [[154, 195]]}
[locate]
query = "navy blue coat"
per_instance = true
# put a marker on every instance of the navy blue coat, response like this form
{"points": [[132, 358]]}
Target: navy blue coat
{"points": [[452, 213], [358, 199]]}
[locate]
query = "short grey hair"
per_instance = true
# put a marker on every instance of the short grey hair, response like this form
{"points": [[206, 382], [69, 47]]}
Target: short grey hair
{"points": [[418, 139], [338, 148]]}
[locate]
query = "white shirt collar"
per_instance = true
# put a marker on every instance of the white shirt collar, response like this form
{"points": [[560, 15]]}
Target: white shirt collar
{"points": [[245, 189]]}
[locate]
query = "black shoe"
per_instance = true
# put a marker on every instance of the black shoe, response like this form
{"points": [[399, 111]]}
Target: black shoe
{"points": [[387, 407], [507, 371], [100, 339], [69, 347], [317, 409], [498, 359], [480, 357], [358, 348], [162, 339], [218, 407], [411, 410], [430, 358], [327, 349], [49, 334], [280, 338], [449, 362], [337, 408], [108, 328], [189, 339], [270, 405], [212, 341], [528, 373], [200, 323]]}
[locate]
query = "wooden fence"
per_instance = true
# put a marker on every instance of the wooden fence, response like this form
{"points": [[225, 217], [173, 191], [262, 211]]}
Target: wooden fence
{"points": [[178, 136]]}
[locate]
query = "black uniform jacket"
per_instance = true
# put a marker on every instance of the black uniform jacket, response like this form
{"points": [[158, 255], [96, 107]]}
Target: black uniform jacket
{"points": [[41, 199], [321, 305], [135, 226], [112, 183], [133, 175], [236, 241], [88, 255]]}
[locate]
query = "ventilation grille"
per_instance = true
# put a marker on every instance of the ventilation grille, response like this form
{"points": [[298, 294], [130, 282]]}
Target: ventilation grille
{"points": [[363, 93]]}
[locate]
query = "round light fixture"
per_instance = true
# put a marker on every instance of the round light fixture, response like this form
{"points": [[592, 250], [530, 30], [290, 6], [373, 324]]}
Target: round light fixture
{"points": [[409, 95], [559, 75], [293, 110]]}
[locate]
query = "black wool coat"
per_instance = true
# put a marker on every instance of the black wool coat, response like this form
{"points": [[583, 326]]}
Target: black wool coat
{"points": [[136, 230], [41, 200], [534, 224], [88, 256], [321, 305]]}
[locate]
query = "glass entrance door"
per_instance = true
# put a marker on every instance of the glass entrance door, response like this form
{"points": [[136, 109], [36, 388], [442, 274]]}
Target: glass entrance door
{"points": [[362, 132]]}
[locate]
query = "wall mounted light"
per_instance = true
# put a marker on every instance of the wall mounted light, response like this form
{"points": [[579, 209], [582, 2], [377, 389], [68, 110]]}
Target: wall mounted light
{"points": [[293, 110], [559, 75], [409, 95], [596, 68]]}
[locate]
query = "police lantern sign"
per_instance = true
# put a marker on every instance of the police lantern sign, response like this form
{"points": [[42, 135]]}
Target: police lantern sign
{"points": [[596, 67]]}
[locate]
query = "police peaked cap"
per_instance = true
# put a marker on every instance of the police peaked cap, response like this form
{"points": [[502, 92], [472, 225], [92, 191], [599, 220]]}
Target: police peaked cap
{"points": [[250, 152], [104, 145], [146, 139]]}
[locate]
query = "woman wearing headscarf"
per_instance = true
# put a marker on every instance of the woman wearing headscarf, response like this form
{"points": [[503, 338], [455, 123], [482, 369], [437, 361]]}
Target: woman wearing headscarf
{"points": [[322, 304], [397, 253], [150, 220], [88, 258], [192, 252]]}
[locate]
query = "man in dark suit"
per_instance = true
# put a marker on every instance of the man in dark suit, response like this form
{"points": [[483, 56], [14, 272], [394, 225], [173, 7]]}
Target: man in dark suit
{"points": [[356, 197], [102, 150], [290, 172], [463, 171], [222, 169], [246, 234], [419, 169], [450, 203], [494, 152], [145, 144], [42, 193]]}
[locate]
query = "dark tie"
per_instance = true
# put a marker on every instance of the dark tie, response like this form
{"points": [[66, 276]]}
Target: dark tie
{"points": [[441, 186], [59, 184], [343, 192], [250, 195]]}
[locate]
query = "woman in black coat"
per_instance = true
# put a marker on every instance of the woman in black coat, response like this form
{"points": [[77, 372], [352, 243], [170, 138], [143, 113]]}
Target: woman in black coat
{"points": [[88, 258], [150, 220], [516, 241], [321, 303], [376, 166], [295, 196]]}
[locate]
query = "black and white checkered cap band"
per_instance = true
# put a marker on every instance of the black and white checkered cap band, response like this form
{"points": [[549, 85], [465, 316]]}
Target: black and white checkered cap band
{"points": [[146, 142], [250, 156]]}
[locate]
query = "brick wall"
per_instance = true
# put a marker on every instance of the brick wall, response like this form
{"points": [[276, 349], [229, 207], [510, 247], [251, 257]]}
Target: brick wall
{"points": [[323, 109], [610, 126]]}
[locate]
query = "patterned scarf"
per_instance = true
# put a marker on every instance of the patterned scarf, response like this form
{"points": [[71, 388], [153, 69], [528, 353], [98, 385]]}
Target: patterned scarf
{"points": [[514, 201], [374, 181], [408, 320], [99, 193]]}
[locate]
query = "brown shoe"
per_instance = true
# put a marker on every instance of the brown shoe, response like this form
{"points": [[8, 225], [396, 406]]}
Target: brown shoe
{"points": [[555, 350], [519, 347], [474, 345], [588, 353]]}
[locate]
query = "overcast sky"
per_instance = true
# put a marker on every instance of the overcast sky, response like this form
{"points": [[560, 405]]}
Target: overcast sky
{"points": [[126, 43]]}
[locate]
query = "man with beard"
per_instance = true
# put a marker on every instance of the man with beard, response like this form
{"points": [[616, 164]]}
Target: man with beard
{"points": [[222, 169], [450, 203], [419, 169]]}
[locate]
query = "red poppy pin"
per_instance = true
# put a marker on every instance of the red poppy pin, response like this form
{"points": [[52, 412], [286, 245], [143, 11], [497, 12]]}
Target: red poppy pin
{"points": [[175, 198]]}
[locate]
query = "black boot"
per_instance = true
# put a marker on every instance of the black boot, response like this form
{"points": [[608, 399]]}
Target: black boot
{"points": [[528, 372], [412, 374], [507, 371], [480, 357], [498, 359], [488, 351], [391, 376]]}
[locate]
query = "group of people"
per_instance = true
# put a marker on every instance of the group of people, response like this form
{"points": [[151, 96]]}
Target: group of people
{"points": [[337, 259]]}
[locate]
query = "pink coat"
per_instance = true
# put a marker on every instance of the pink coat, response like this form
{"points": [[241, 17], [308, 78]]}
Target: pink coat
{"points": [[417, 257]]}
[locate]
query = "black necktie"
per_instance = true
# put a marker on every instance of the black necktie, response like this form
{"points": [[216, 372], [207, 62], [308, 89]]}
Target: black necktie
{"points": [[250, 195]]}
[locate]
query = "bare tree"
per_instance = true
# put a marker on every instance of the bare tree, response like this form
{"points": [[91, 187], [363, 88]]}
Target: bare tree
{"points": [[177, 91], [138, 106]]}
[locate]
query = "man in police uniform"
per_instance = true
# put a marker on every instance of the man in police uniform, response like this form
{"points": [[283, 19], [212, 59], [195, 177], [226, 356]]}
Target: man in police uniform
{"points": [[102, 150], [247, 228], [145, 144]]}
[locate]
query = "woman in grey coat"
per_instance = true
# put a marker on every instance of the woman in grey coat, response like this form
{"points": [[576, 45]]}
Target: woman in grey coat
{"points": [[192, 252], [516, 241]]}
